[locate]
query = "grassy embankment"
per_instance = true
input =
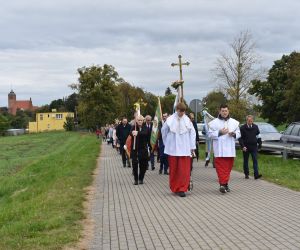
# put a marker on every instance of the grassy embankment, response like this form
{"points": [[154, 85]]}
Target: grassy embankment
{"points": [[42, 177], [273, 168]]}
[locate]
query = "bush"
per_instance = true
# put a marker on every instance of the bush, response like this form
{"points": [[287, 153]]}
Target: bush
{"points": [[69, 124]]}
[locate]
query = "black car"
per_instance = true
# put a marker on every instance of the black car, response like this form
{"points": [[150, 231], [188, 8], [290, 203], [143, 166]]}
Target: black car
{"points": [[291, 139]]}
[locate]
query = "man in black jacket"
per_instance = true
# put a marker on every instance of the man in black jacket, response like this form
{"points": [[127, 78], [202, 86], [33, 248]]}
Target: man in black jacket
{"points": [[250, 141], [122, 132], [192, 117]]}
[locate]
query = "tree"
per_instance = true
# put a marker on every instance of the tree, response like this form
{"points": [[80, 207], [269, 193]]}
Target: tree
{"points": [[4, 124], [69, 123], [280, 93], [168, 91], [237, 69], [98, 97], [71, 102], [128, 95], [213, 100], [167, 103], [151, 103], [58, 104], [21, 119], [43, 109]]}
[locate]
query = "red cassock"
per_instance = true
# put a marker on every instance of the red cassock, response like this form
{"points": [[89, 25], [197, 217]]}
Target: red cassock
{"points": [[223, 168], [180, 172]]}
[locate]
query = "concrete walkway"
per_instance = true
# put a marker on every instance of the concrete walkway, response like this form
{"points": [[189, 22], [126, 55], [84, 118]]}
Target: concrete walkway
{"points": [[254, 215]]}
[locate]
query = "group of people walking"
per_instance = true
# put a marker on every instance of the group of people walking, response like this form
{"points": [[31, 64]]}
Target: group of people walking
{"points": [[177, 144]]}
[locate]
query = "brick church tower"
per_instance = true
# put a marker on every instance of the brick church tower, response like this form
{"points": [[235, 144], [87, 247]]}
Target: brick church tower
{"points": [[11, 102]]}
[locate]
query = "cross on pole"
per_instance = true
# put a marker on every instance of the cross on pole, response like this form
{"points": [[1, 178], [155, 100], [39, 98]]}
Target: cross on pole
{"points": [[180, 82]]}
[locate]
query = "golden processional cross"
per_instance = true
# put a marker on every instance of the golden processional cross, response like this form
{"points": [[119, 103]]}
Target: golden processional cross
{"points": [[179, 84]]}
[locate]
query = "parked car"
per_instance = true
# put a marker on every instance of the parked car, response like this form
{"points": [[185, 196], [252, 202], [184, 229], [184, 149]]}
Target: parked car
{"points": [[291, 139], [200, 131], [268, 132]]}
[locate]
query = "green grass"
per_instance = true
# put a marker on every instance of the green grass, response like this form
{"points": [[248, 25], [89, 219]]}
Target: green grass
{"points": [[273, 168], [42, 177]]}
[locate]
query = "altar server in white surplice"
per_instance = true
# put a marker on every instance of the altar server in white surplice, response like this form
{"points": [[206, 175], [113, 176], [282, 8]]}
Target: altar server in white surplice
{"points": [[223, 131], [179, 136]]}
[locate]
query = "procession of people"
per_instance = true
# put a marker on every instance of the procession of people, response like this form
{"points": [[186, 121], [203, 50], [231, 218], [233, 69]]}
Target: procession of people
{"points": [[176, 145]]}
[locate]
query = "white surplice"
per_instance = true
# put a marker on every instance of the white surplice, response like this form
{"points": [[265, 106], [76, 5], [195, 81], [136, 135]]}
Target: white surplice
{"points": [[223, 145], [179, 136]]}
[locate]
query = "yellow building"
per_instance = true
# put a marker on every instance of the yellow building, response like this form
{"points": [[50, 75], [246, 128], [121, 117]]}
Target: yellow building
{"points": [[49, 121]]}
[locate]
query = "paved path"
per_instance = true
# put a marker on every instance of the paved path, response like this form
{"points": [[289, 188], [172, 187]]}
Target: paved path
{"points": [[254, 215]]}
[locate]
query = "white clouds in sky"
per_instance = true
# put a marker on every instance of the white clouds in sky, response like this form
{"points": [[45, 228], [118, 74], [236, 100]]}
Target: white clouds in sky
{"points": [[44, 42]]}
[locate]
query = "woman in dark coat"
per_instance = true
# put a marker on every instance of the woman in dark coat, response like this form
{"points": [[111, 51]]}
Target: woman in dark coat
{"points": [[139, 155]]}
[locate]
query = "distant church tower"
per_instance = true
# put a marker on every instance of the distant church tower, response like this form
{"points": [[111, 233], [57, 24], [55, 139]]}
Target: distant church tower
{"points": [[11, 102]]}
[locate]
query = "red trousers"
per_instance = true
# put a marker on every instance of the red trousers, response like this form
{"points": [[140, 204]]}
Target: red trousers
{"points": [[179, 173], [223, 168]]}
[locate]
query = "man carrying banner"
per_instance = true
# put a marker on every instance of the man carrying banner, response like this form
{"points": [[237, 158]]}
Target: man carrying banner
{"points": [[139, 150], [154, 129], [179, 139], [149, 126], [224, 130]]}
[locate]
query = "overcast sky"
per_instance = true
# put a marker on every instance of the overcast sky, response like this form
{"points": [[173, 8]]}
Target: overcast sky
{"points": [[44, 42]]}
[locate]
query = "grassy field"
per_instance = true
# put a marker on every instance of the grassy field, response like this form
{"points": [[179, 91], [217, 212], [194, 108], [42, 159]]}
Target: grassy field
{"points": [[273, 168], [42, 177]]}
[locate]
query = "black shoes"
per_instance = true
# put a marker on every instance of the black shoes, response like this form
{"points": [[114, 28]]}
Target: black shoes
{"points": [[206, 163], [138, 182], [257, 177], [181, 194], [160, 172], [129, 166], [222, 189], [166, 173], [124, 165], [153, 168]]}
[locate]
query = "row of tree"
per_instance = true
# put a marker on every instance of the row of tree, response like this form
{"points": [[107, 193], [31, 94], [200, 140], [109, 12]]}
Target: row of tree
{"points": [[103, 96]]}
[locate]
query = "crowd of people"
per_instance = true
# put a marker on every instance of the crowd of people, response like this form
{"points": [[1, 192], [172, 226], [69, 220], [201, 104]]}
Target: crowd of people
{"points": [[177, 146]]}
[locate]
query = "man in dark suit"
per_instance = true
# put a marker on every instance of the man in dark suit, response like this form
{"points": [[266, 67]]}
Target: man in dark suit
{"points": [[122, 132], [250, 142], [192, 117]]}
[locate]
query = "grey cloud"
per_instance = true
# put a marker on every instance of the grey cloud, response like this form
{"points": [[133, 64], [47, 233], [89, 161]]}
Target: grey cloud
{"points": [[45, 42]]}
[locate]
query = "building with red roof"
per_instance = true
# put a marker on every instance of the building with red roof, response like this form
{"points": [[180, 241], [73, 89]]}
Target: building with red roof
{"points": [[14, 105]]}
